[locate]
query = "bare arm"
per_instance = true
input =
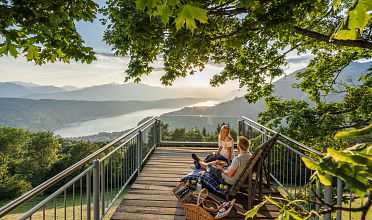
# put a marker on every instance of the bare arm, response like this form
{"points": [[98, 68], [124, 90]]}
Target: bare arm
{"points": [[219, 149], [229, 156], [229, 173], [228, 149]]}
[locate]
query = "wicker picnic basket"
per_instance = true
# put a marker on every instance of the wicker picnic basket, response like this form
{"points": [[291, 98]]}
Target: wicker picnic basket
{"points": [[196, 211]]}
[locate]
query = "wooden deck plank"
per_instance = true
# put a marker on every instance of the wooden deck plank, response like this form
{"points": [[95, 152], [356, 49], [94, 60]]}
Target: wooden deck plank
{"points": [[151, 197]]}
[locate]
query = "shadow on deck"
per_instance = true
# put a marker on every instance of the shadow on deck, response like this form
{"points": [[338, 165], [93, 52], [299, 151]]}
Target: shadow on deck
{"points": [[151, 197]]}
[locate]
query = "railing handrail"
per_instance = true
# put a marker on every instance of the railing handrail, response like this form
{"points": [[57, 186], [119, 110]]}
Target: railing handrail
{"points": [[51, 181], [307, 148], [214, 116]]}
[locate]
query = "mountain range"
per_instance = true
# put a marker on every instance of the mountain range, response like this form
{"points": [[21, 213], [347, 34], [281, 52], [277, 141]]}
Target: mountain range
{"points": [[92, 102], [283, 88], [17, 90], [112, 92], [48, 114]]}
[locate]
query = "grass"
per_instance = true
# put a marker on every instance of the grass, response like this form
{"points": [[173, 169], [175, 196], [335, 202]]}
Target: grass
{"points": [[355, 215], [80, 210]]}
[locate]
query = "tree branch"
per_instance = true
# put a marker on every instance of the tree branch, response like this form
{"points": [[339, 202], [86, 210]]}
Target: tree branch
{"points": [[366, 122], [224, 4], [326, 38], [280, 57], [338, 74], [235, 11], [344, 111]]}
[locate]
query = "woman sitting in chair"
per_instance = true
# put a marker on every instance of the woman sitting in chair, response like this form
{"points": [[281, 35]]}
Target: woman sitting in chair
{"points": [[225, 150], [231, 173]]}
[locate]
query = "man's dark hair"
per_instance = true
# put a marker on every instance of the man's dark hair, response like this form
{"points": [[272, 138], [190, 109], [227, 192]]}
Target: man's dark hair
{"points": [[244, 143]]}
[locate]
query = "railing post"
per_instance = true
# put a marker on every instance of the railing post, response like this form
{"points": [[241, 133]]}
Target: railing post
{"points": [[339, 198], [241, 127], [88, 190], [328, 197], [156, 133], [317, 192], [139, 150], [103, 187], [96, 190]]}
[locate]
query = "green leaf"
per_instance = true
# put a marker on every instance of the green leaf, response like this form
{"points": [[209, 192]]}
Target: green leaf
{"points": [[346, 158], [353, 132], [142, 4], [252, 213], [358, 18], [356, 186], [12, 50], [292, 215], [310, 164], [273, 201], [33, 53], [336, 3], [323, 179], [4, 49], [165, 12], [60, 53], [346, 34], [188, 14]]}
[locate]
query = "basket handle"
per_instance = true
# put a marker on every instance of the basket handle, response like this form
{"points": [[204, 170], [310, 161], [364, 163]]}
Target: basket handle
{"points": [[203, 191]]}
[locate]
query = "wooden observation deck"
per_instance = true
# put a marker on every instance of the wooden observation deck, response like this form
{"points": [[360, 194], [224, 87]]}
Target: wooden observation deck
{"points": [[151, 197]]}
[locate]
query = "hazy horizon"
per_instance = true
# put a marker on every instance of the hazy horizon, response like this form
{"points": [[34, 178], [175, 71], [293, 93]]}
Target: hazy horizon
{"points": [[106, 70]]}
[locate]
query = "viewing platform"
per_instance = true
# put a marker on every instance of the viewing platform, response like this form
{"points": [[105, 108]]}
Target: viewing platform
{"points": [[151, 197], [139, 170]]}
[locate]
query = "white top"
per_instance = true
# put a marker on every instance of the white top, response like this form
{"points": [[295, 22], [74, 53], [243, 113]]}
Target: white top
{"points": [[226, 145], [238, 164]]}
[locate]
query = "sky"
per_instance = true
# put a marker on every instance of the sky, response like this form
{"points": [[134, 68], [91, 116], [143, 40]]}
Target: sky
{"points": [[107, 69]]}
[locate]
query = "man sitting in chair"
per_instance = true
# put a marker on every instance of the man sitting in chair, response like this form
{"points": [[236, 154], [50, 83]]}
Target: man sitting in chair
{"points": [[233, 171]]}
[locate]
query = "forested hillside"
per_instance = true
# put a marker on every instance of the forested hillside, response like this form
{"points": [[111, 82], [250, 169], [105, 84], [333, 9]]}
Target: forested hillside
{"points": [[22, 168]]}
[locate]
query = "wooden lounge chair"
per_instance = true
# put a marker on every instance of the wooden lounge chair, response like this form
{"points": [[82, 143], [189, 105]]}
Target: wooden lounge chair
{"points": [[257, 165]]}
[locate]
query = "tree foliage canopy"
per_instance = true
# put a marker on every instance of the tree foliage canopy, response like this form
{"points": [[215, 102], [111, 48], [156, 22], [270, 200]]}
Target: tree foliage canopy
{"points": [[45, 30], [252, 38]]}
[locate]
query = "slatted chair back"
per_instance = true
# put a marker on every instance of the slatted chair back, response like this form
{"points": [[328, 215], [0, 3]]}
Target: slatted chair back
{"points": [[260, 154]]}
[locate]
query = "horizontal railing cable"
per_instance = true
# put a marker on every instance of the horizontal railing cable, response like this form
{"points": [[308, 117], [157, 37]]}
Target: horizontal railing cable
{"points": [[285, 137]]}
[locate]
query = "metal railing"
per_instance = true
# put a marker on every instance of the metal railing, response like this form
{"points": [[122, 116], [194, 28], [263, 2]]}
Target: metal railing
{"points": [[292, 177], [92, 192], [95, 182], [287, 170]]}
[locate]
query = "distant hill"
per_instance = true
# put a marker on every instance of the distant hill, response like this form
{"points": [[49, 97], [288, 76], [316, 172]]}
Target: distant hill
{"points": [[114, 92], [19, 89], [70, 88], [134, 91], [239, 106], [283, 88], [26, 84], [51, 114]]}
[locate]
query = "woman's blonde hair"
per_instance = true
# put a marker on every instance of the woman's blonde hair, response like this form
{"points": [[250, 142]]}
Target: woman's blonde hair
{"points": [[224, 126]]}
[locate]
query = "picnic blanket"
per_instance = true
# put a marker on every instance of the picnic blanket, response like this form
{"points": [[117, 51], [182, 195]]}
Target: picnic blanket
{"points": [[209, 180]]}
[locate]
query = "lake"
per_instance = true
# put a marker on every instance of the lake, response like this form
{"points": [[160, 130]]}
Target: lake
{"points": [[112, 124]]}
